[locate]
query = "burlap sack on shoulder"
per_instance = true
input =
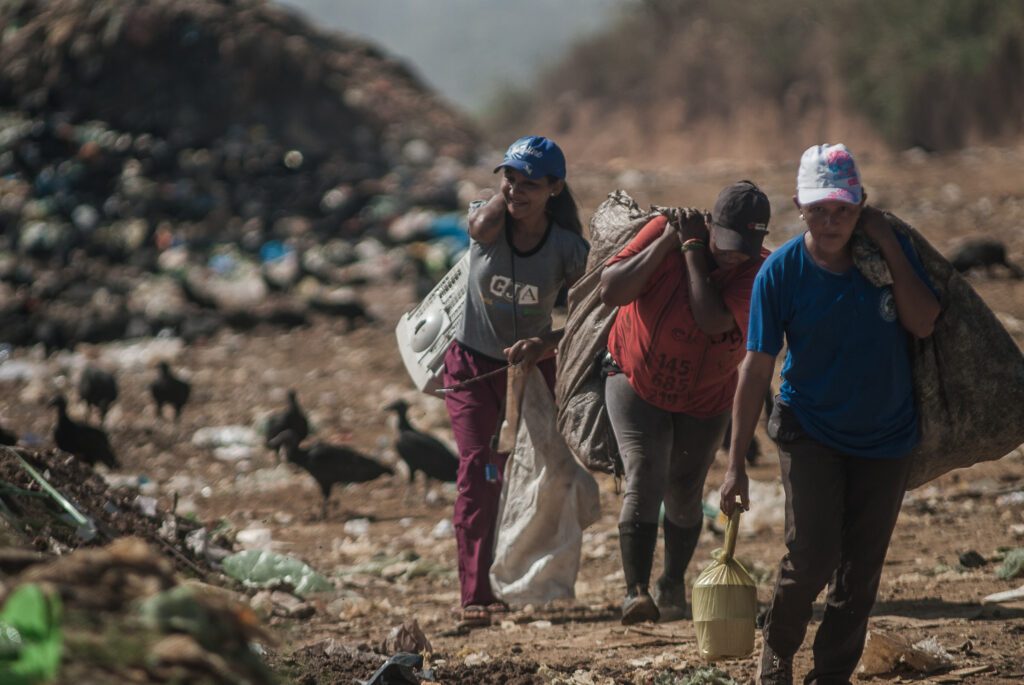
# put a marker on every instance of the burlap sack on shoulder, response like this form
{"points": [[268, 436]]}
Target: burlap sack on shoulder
{"points": [[968, 374], [579, 387]]}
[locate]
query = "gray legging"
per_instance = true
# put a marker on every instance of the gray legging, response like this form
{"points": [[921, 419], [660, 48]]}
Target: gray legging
{"points": [[666, 455]]}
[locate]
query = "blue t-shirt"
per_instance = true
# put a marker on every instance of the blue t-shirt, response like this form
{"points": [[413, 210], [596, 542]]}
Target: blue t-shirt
{"points": [[847, 372]]}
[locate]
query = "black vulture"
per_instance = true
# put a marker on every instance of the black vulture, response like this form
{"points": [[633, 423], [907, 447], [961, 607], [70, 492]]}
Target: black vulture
{"points": [[98, 388], [329, 464], [353, 311], [54, 335], [88, 443], [291, 419], [983, 253], [7, 437], [169, 389], [420, 451]]}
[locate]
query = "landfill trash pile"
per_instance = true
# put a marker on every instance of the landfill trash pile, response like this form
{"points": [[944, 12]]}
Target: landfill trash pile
{"points": [[228, 146], [84, 510]]}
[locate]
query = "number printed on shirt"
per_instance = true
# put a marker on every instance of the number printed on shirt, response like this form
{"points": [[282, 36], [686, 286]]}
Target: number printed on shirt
{"points": [[673, 374]]}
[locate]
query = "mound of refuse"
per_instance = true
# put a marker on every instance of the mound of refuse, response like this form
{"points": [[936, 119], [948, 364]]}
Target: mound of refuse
{"points": [[163, 136], [200, 72]]}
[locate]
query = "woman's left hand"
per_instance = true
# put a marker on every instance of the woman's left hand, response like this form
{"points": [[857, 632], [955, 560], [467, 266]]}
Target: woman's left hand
{"points": [[528, 350], [693, 224]]}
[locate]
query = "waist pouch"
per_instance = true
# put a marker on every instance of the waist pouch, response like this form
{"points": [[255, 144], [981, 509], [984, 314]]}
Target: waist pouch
{"points": [[606, 364], [783, 426]]}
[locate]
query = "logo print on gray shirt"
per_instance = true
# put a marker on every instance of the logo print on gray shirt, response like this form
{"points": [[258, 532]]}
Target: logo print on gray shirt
{"points": [[501, 287]]}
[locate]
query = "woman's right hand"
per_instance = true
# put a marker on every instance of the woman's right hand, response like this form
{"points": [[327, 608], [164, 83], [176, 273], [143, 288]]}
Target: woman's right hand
{"points": [[735, 485], [671, 237]]}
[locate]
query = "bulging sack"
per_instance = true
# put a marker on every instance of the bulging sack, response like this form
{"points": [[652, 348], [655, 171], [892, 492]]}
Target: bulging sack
{"points": [[725, 603], [579, 386], [968, 374]]}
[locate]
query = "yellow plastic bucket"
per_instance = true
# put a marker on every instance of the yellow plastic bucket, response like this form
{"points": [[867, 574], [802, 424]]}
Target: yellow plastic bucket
{"points": [[725, 603]]}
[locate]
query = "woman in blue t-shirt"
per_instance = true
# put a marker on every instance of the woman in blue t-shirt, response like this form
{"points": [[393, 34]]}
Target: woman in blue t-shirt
{"points": [[844, 418]]}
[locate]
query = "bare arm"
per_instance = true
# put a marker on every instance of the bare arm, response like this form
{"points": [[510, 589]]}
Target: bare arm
{"points": [[486, 222], [755, 378], [706, 301], [916, 305], [622, 282]]}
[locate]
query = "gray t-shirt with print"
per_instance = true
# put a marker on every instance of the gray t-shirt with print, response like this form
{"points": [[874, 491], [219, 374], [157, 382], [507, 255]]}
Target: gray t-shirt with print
{"points": [[492, 322]]}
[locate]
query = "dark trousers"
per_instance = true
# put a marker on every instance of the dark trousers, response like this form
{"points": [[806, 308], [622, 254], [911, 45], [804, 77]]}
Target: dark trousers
{"points": [[475, 411], [840, 514], [666, 456]]}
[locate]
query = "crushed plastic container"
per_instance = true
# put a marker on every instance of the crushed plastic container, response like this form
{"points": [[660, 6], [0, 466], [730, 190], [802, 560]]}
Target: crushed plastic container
{"points": [[425, 333], [725, 603], [257, 568]]}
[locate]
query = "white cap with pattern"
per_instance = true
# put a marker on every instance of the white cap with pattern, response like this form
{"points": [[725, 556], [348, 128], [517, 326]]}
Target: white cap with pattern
{"points": [[828, 172]]}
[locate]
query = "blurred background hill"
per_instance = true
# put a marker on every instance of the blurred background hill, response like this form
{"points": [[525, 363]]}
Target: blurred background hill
{"points": [[467, 49], [668, 80]]}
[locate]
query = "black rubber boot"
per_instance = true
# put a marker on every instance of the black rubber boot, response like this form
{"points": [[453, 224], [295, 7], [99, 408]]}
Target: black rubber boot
{"points": [[669, 591], [636, 542]]}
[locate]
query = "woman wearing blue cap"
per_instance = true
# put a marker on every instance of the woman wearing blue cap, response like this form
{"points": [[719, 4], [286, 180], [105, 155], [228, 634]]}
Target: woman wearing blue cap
{"points": [[844, 418], [526, 245]]}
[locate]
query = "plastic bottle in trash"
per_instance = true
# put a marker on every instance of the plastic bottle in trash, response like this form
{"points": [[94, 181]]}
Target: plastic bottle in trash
{"points": [[725, 603]]}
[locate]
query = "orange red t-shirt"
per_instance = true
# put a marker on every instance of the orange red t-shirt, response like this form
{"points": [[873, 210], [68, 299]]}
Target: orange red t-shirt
{"points": [[668, 360]]}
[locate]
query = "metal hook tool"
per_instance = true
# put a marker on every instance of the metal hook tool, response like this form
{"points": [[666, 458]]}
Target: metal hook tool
{"points": [[474, 379]]}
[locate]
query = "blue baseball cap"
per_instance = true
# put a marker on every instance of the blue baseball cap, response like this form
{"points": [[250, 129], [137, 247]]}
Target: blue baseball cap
{"points": [[536, 157]]}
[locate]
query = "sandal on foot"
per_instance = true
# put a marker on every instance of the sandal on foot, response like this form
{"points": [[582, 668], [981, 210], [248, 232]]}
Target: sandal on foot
{"points": [[498, 607], [474, 616]]}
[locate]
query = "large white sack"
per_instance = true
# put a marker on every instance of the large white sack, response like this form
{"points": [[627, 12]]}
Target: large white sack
{"points": [[547, 500]]}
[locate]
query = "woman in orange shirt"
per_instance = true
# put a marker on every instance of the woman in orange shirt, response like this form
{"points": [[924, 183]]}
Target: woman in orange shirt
{"points": [[683, 293]]}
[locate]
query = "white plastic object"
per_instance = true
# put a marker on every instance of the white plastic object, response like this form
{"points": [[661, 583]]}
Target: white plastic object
{"points": [[425, 333]]}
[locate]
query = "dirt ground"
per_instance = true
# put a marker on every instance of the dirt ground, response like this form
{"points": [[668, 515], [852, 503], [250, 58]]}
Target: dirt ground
{"points": [[373, 531]]}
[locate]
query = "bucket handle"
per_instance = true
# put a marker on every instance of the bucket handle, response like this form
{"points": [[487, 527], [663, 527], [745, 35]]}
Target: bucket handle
{"points": [[731, 529]]}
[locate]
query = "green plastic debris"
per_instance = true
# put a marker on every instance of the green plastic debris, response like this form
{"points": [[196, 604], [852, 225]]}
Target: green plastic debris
{"points": [[375, 566], [179, 610], [256, 568], [425, 567], [218, 626], [1013, 564], [30, 636], [410, 564]]}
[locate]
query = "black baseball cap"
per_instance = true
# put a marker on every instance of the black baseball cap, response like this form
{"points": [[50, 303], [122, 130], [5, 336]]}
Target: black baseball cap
{"points": [[740, 218]]}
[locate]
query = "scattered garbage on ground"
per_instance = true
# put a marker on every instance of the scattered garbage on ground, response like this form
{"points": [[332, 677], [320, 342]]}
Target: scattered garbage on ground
{"points": [[885, 650]]}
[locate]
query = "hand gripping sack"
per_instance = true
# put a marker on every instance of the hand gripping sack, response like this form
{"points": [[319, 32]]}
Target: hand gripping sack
{"points": [[725, 603], [579, 387], [968, 374]]}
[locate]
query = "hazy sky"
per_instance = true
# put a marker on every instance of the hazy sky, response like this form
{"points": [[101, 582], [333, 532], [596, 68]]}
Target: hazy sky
{"points": [[465, 48]]}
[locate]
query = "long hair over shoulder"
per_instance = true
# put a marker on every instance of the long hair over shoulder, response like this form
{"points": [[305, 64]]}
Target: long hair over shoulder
{"points": [[563, 211]]}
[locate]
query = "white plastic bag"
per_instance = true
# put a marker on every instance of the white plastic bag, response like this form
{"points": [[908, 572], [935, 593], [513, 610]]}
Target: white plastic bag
{"points": [[547, 500]]}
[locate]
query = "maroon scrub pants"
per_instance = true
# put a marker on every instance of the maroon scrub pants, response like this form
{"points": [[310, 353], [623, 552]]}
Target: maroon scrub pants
{"points": [[475, 411]]}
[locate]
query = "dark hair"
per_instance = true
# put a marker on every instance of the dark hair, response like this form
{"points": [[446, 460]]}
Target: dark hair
{"points": [[563, 210]]}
